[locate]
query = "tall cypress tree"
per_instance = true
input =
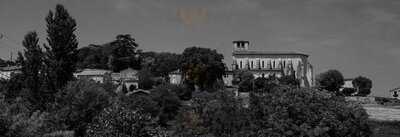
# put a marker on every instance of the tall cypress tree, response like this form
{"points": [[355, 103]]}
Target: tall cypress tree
{"points": [[61, 49], [32, 65]]}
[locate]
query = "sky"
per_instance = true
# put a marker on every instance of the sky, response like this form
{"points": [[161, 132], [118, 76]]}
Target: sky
{"points": [[356, 37]]}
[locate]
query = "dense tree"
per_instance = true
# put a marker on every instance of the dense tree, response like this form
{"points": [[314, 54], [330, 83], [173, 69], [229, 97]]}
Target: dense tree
{"points": [[244, 80], [362, 85], [77, 104], [305, 112], [330, 80], [203, 66], [93, 56], [167, 102], [124, 55], [348, 91], [289, 80], [121, 121], [146, 79], [61, 49], [217, 114], [32, 66], [161, 64]]}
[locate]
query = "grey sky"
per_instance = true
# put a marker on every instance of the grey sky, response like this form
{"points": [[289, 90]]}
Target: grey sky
{"points": [[357, 37]]}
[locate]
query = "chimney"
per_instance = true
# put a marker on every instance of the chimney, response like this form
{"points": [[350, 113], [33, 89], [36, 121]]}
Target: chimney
{"points": [[241, 45]]}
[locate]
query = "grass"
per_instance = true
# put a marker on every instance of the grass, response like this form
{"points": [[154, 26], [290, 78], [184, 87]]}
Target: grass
{"points": [[385, 128]]}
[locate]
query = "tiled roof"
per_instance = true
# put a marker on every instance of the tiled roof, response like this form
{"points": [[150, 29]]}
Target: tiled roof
{"points": [[257, 52], [92, 72]]}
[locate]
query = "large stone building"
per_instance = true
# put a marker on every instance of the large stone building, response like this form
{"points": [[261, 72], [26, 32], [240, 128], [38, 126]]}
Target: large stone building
{"points": [[268, 63]]}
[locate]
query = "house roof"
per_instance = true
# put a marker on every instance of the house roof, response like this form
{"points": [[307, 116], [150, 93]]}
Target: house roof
{"points": [[92, 72], [258, 52]]}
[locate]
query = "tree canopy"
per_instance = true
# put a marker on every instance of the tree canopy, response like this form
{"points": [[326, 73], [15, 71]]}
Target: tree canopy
{"points": [[117, 55], [203, 66], [61, 48], [362, 85], [330, 80]]}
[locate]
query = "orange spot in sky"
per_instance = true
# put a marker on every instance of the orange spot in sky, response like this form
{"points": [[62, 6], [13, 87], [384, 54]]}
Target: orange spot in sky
{"points": [[192, 16]]}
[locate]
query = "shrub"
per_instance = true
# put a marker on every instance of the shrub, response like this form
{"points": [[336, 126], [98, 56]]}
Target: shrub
{"points": [[167, 102], [348, 91], [330, 80], [16, 121], [77, 104], [305, 112], [212, 114], [363, 85], [120, 121], [282, 111]]}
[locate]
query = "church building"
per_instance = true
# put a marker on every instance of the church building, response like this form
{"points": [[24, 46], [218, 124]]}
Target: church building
{"points": [[271, 63]]}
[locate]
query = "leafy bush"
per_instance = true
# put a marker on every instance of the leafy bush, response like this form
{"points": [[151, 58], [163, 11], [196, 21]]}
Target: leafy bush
{"points": [[212, 114], [15, 121], [305, 112], [280, 112], [167, 102], [363, 85], [348, 91], [330, 80], [77, 104], [120, 121]]}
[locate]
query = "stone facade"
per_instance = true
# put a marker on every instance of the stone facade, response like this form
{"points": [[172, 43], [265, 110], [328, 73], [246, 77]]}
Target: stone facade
{"points": [[265, 63]]}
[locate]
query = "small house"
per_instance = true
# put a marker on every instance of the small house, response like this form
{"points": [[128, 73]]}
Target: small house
{"points": [[97, 75]]}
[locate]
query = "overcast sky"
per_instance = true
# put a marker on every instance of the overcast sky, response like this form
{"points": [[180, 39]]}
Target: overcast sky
{"points": [[357, 37]]}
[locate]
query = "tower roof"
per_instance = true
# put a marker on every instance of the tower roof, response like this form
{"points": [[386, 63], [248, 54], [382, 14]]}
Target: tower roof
{"points": [[257, 52]]}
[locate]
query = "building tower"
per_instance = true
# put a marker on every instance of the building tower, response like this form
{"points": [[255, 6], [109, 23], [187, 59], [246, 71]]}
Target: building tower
{"points": [[241, 45]]}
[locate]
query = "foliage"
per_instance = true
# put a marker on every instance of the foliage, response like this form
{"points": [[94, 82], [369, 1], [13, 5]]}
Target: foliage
{"points": [[77, 104], [120, 121], [330, 80], [142, 101], [167, 102], [244, 80], [125, 54], [203, 66], [13, 87], [289, 80], [363, 85], [32, 67], [16, 121], [61, 50], [348, 91], [146, 81], [305, 112], [385, 128], [161, 64], [93, 56], [212, 114], [387, 101]]}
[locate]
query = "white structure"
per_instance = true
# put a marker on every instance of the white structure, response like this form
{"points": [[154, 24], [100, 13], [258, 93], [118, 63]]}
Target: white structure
{"points": [[175, 77], [128, 77], [97, 75], [265, 63], [9, 71]]}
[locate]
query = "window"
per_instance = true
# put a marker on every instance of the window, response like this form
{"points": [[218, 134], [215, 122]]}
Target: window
{"points": [[241, 66], [252, 64], [262, 64]]}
